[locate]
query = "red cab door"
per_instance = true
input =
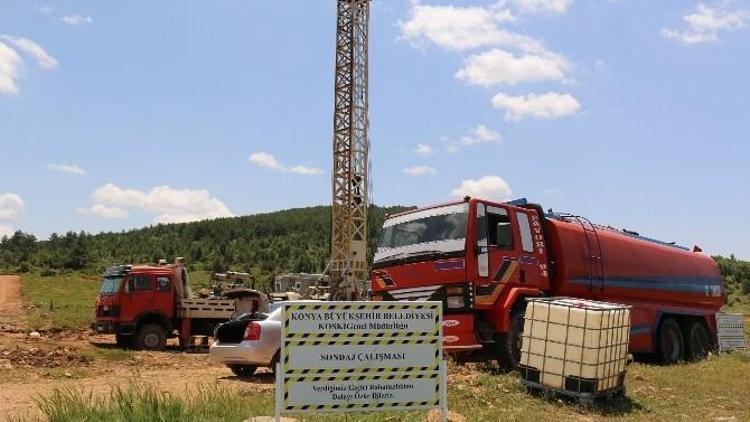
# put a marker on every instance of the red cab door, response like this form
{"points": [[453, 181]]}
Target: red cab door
{"points": [[138, 296], [164, 296]]}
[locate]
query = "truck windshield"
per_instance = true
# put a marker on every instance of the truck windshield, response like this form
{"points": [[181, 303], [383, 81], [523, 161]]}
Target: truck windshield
{"points": [[432, 230], [110, 285]]}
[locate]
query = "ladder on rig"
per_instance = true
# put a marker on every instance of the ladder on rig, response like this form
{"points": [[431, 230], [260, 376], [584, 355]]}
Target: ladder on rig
{"points": [[348, 265]]}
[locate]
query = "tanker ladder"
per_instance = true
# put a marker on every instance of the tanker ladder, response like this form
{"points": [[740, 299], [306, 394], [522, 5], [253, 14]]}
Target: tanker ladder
{"points": [[594, 256]]}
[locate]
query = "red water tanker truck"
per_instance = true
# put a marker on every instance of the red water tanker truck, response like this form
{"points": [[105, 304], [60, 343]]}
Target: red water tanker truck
{"points": [[483, 259]]}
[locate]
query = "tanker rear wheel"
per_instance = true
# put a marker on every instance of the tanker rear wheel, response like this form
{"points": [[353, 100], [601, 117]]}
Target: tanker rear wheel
{"points": [[671, 342], [698, 341]]}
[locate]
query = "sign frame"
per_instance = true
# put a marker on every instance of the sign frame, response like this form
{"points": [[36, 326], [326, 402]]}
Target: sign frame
{"points": [[415, 328]]}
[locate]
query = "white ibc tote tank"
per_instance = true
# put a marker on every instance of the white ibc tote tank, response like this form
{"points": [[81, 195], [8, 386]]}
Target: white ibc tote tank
{"points": [[576, 344]]}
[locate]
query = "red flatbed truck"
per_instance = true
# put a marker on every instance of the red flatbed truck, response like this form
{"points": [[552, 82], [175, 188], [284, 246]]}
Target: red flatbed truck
{"points": [[144, 305], [483, 259]]}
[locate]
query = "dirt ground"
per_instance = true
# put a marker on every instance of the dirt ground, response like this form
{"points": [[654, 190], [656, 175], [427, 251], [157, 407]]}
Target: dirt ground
{"points": [[32, 367], [11, 305], [35, 367]]}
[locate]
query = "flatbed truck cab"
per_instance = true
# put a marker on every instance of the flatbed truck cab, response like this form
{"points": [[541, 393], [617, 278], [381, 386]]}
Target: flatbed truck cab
{"points": [[144, 305], [483, 259]]}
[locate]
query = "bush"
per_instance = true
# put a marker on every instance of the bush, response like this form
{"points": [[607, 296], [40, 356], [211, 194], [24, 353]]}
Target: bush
{"points": [[48, 272]]}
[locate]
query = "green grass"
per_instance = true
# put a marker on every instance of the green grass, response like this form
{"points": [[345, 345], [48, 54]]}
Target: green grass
{"points": [[60, 302], [137, 402], [709, 390]]}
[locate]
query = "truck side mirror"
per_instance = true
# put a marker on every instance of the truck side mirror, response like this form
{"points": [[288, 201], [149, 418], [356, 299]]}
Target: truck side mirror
{"points": [[130, 286]]}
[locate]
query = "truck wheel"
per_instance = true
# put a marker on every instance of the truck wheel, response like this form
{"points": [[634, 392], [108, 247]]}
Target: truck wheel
{"points": [[123, 341], [508, 345], [698, 341], [243, 371], [671, 342], [151, 337]]}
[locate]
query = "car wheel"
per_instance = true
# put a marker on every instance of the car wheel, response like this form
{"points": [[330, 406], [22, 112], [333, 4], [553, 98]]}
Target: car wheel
{"points": [[698, 341], [274, 361], [151, 337], [671, 342], [243, 371]]}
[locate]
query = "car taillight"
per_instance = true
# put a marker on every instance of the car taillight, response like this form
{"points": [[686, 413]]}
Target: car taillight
{"points": [[252, 332]]}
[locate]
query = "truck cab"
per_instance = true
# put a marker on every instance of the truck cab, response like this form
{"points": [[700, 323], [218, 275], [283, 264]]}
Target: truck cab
{"points": [[137, 304], [480, 258], [144, 305]]}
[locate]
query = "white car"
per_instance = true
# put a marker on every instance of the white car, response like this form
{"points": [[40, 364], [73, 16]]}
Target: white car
{"points": [[248, 342]]}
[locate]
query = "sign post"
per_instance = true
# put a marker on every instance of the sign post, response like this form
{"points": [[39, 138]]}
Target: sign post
{"points": [[360, 357]]}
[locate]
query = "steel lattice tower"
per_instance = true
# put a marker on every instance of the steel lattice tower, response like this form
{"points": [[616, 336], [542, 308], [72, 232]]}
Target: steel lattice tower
{"points": [[348, 268]]}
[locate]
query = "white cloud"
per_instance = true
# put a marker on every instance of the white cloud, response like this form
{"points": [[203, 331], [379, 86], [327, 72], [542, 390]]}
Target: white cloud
{"points": [[462, 28], [11, 63], [6, 231], [419, 170], [170, 205], [423, 150], [103, 211], [11, 206], [542, 6], [541, 106], [268, 161], [10, 67], [488, 187], [495, 67], [34, 50], [705, 24], [308, 171], [478, 135], [76, 19], [67, 168]]}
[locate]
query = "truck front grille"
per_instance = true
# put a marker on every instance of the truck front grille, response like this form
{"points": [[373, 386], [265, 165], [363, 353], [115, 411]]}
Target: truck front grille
{"points": [[435, 292]]}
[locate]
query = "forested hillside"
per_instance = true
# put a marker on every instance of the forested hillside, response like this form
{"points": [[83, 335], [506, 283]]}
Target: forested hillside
{"points": [[291, 240], [737, 280]]}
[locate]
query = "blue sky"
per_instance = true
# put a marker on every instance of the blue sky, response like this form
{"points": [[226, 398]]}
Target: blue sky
{"points": [[633, 113]]}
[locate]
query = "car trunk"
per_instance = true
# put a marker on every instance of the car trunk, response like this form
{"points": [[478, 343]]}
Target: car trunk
{"points": [[231, 332]]}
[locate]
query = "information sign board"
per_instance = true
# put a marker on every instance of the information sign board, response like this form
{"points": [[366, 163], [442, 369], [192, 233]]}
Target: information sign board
{"points": [[360, 357]]}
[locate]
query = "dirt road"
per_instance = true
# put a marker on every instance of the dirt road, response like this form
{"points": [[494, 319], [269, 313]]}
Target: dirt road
{"points": [[10, 300]]}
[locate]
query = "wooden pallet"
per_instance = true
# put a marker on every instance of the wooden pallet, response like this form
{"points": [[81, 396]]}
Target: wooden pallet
{"points": [[585, 399]]}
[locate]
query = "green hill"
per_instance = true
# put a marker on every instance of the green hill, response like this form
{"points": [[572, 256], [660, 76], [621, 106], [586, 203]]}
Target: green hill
{"points": [[294, 240], [290, 240]]}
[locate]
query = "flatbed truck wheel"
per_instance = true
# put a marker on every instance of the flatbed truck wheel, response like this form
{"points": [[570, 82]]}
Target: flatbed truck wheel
{"points": [[123, 341], [698, 341], [671, 342], [508, 345], [151, 337]]}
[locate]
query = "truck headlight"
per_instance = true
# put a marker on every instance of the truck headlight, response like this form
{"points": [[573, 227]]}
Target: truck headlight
{"points": [[455, 302]]}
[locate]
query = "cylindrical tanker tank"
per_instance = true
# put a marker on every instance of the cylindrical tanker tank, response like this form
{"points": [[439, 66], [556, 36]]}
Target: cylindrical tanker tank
{"points": [[602, 262]]}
